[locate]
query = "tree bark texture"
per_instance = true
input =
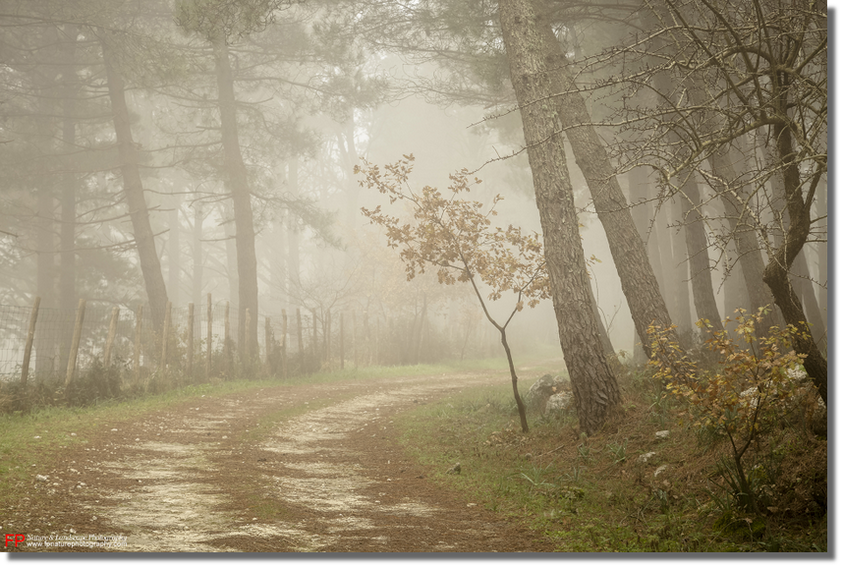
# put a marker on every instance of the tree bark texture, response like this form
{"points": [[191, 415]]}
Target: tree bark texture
{"points": [[534, 56], [150, 264], [236, 179]]}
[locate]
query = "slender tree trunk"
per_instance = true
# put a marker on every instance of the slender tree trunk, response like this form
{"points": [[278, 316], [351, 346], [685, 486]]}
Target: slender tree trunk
{"points": [[293, 262], [45, 344], [744, 235], [696, 242], [678, 272], [534, 54], [174, 253], [821, 213], [236, 179], [742, 229], [641, 211], [198, 262], [776, 273], [69, 181], [150, 264]]}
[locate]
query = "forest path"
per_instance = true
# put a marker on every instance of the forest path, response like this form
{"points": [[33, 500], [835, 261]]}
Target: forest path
{"points": [[289, 469]]}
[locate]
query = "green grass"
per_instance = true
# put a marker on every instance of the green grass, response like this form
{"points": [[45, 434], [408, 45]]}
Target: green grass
{"points": [[592, 494]]}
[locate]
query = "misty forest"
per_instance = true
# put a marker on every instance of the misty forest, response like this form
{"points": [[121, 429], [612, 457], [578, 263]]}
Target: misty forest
{"points": [[627, 198]]}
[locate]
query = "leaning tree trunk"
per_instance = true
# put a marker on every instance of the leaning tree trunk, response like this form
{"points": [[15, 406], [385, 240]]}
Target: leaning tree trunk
{"points": [[533, 54], [150, 264], [628, 252], [236, 179], [776, 273]]}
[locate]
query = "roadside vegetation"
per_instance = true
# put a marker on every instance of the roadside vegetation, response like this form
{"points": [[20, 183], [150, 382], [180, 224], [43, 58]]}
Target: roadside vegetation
{"points": [[630, 487]]}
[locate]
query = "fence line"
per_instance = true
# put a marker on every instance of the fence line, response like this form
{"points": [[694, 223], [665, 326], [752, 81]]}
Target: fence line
{"points": [[54, 343]]}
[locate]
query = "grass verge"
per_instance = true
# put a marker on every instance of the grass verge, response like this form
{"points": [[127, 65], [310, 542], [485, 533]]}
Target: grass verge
{"points": [[624, 489]]}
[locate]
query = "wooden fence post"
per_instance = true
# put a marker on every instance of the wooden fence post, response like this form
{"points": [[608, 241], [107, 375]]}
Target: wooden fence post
{"points": [[137, 333], [189, 369], [30, 336], [341, 341], [316, 341], [245, 348], [165, 339], [326, 329], [210, 339], [354, 336], [300, 336], [267, 340], [112, 333], [226, 348], [284, 368], [74, 346]]}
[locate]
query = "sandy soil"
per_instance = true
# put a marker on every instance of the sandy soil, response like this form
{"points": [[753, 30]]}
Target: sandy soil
{"points": [[207, 476]]}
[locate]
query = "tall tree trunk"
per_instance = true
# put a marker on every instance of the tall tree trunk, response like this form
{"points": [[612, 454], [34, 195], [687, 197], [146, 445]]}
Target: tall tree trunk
{"points": [[150, 264], [736, 294], [724, 182], [694, 249], [534, 54], [696, 244], [678, 272], [293, 261], [45, 344], [776, 273], [236, 180], [69, 181], [641, 212], [637, 279], [174, 253], [800, 277], [198, 262], [821, 213]]}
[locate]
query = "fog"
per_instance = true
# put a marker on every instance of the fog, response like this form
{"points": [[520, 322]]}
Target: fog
{"points": [[117, 112]]}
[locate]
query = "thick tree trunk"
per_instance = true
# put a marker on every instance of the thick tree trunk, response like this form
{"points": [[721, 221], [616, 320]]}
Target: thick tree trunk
{"points": [[150, 264], [236, 179], [534, 54]]}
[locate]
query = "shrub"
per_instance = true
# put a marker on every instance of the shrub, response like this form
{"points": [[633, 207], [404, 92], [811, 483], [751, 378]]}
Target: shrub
{"points": [[750, 388]]}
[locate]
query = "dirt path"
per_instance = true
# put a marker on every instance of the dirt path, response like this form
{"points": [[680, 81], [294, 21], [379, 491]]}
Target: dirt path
{"points": [[208, 476]]}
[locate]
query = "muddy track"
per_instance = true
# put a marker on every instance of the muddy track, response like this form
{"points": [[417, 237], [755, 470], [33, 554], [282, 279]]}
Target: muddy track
{"points": [[323, 472]]}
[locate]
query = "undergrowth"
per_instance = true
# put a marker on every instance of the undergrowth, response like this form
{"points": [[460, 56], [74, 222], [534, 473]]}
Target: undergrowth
{"points": [[624, 489]]}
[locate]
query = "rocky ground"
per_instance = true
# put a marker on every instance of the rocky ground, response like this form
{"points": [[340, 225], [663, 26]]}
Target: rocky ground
{"points": [[296, 469]]}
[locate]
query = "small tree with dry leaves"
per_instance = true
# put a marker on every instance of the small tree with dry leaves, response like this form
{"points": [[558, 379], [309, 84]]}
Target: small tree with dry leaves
{"points": [[456, 237], [750, 389]]}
